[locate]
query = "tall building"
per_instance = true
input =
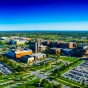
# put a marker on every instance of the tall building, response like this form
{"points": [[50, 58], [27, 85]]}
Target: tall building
{"points": [[35, 45]]}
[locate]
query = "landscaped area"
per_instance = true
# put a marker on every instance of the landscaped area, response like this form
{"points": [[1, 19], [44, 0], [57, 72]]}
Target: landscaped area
{"points": [[56, 75], [68, 58]]}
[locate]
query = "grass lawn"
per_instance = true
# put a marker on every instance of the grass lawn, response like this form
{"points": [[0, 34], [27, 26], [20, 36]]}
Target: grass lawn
{"points": [[52, 68], [63, 83], [8, 84], [23, 86], [32, 82], [5, 77], [70, 59], [1, 81]]}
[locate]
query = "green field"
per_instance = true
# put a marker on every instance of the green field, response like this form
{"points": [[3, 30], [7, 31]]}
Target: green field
{"points": [[70, 59]]}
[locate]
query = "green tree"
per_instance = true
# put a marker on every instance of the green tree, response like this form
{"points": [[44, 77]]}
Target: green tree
{"points": [[1, 74], [60, 85]]}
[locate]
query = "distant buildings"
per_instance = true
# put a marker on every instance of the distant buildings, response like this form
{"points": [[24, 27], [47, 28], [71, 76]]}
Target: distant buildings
{"points": [[46, 43], [81, 50], [1, 47], [67, 45], [60, 50], [60, 44], [3, 38], [17, 42]]}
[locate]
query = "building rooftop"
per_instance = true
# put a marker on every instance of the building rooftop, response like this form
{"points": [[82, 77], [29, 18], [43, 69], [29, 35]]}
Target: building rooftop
{"points": [[27, 56], [56, 48], [19, 51], [42, 46], [38, 54], [1, 46]]}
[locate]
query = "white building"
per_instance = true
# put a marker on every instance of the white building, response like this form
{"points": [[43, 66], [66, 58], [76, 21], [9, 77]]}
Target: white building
{"points": [[39, 55]]}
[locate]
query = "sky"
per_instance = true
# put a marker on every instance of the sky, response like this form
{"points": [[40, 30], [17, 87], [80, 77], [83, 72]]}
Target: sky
{"points": [[43, 15]]}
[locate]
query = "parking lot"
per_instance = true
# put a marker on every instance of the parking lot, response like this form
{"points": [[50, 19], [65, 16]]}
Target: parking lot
{"points": [[79, 73], [5, 69]]}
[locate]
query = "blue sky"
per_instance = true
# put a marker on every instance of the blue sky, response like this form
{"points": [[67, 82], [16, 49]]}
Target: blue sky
{"points": [[44, 15]]}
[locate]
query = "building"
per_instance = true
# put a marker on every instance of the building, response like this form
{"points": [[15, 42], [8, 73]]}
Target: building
{"points": [[3, 38], [1, 47], [34, 46], [12, 42], [28, 39], [80, 51], [53, 44], [40, 41], [86, 52], [19, 53], [67, 45], [67, 51], [42, 48], [14, 37], [84, 46], [20, 42], [17, 42], [38, 55], [54, 50], [27, 58], [46, 42], [59, 44]]}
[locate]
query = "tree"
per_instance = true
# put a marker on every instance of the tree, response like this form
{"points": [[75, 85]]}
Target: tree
{"points": [[48, 55], [58, 72], [75, 87], [21, 78], [2, 43], [1, 74], [27, 85], [60, 85], [56, 75], [58, 56]]}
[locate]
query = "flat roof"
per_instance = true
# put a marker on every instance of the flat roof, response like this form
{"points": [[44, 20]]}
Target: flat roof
{"points": [[27, 56], [38, 54], [56, 48], [19, 51]]}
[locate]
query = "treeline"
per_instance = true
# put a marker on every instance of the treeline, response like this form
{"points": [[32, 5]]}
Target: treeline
{"points": [[75, 34]]}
